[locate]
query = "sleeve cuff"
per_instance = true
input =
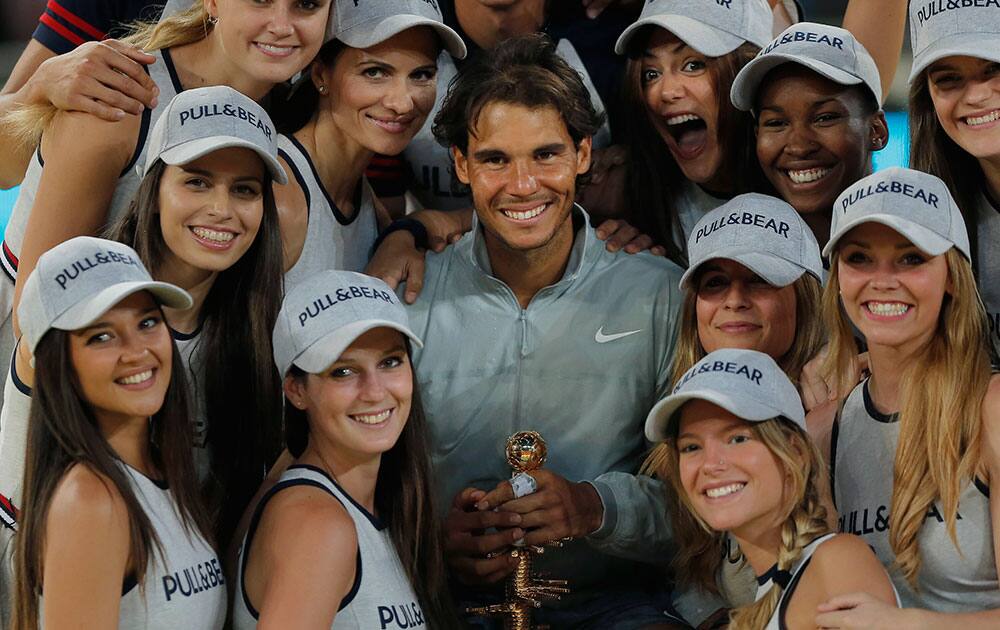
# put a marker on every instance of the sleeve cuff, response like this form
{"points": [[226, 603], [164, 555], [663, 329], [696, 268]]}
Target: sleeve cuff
{"points": [[610, 519]]}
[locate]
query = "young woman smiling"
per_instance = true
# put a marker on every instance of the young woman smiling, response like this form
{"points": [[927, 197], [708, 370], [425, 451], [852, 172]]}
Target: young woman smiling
{"points": [[370, 90], [816, 96], [917, 445], [689, 149], [204, 218], [739, 458], [955, 126], [347, 537], [113, 533]]}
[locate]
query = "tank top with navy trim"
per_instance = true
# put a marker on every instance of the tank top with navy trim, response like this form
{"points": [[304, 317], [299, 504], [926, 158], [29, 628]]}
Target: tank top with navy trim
{"points": [[185, 588], [951, 579], [988, 262], [333, 241], [790, 581], [381, 597]]}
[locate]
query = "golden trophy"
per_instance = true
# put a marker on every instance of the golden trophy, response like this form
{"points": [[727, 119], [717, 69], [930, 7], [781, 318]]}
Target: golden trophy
{"points": [[526, 451]]}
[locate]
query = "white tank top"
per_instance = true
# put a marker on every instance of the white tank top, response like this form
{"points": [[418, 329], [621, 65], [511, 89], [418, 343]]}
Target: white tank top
{"points": [[766, 582], [183, 589], [431, 164], [381, 597], [864, 449], [333, 241]]}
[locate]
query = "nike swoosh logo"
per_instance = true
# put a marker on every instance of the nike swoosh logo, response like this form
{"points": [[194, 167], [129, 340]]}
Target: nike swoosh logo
{"points": [[600, 337]]}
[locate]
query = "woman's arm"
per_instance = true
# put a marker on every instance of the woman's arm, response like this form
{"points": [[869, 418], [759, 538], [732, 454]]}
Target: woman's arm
{"points": [[879, 26], [302, 560], [84, 156], [86, 553]]}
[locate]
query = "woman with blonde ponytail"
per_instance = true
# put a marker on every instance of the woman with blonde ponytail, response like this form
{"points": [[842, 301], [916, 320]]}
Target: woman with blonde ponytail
{"points": [[742, 464], [82, 175], [915, 445]]}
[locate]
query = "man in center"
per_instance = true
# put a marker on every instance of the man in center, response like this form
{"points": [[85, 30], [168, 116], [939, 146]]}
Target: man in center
{"points": [[529, 323]]}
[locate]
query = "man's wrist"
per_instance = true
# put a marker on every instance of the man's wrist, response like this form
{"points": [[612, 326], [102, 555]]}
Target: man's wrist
{"points": [[593, 512]]}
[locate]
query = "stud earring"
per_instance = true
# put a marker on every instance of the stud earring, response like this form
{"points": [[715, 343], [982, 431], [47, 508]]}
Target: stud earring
{"points": [[213, 20], [322, 89]]}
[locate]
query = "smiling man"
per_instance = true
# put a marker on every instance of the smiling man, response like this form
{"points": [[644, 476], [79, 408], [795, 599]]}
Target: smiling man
{"points": [[529, 323]]}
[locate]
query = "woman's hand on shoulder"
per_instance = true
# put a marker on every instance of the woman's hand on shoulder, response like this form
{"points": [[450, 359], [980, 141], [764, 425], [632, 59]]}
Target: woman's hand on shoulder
{"points": [[86, 553], [621, 235], [106, 79], [312, 548]]}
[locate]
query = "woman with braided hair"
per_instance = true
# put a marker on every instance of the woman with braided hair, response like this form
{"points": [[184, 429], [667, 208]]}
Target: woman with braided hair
{"points": [[742, 464]]}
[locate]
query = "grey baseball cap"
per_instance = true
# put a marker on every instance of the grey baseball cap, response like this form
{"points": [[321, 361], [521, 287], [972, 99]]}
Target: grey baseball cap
{"points": [[202, 120], [365, 23], [712, 27], [829, 51], [913, 203], [746, 383], [940, 29], [323, 315], [77, 281], [762, 233]]}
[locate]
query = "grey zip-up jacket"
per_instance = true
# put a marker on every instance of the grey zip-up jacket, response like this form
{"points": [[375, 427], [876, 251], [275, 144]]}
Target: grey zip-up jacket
{"points": [[583, 364]]}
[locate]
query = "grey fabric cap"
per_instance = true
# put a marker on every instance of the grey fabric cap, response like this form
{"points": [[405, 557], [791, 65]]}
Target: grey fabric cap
{"points": [[197, 122], [943, 28], [829, 51], [365, 23], [77, 281], [762, 233], [712, 27], [913, 203], [746, 383], [323, 315]]}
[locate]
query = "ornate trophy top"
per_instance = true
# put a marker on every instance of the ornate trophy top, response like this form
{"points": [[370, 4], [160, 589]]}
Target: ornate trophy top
{"points": [[526, 451]]}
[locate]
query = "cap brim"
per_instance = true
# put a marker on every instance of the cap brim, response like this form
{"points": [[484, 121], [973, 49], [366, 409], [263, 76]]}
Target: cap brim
{"points": [[705, 39], [326, 350], [925, 240], [194, 149], [370, 33], [981, 45], [747, 82], [776, 271], [662, 416], [87, 312]]}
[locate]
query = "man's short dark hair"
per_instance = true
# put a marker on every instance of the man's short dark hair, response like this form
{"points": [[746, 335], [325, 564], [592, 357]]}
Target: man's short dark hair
{"points": [[524, 71]]}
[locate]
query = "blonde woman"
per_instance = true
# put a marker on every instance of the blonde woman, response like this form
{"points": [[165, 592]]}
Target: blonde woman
{"points": [[916, 445], [742, 463]]}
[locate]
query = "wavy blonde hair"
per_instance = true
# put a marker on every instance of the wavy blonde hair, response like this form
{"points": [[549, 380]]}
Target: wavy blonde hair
{"points": [[185, 27], [941, 393], [701, 550]]}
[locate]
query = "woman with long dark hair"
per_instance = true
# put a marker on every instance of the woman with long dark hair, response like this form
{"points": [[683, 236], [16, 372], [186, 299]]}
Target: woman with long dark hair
{"points": [[113, 531], [204, 218], [347, 537]]}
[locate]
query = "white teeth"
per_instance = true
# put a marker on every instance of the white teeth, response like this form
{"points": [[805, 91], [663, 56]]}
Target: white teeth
{"points": [[524, 216], [373, 418], [890, 309], [135, 379], [982, 120], [683, 118], [715, 493], [808, 175], [212, 235], [278, 50]]}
